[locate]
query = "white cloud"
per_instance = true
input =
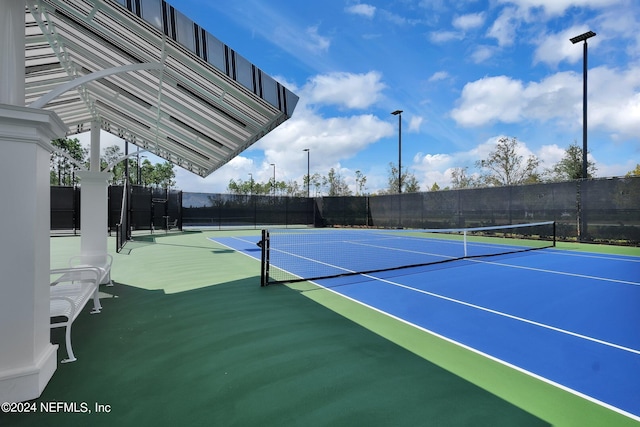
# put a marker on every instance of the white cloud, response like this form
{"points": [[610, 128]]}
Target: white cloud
{"points": [[490, 99], [344, 89], [365, 10], [438, 75], [621, 26], [414, 123], [614, 100], [549, 155], [559, 7], [445, 36], [507, 100], [482, 53], [399, 20], [553, 97], [299, 42], [433, 168], [556, 48], [504, 27], [315, 41], [329, 140], [469, 21]]}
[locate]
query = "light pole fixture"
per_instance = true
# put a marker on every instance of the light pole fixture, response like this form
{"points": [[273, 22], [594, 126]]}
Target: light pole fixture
{"points": [[308, 177], [574, 40], [273, 186], [399, 114]]}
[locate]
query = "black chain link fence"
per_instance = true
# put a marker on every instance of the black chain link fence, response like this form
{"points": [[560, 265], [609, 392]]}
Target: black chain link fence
{"points": [[595, 210]]}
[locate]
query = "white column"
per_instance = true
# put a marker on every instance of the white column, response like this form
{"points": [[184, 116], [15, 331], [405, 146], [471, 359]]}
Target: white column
{"points": [[94, 162], [27, 358], [12, 52], [94, 221]]}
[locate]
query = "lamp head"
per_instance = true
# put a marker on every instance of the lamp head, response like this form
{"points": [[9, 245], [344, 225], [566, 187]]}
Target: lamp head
{"points": [[582, 37]]}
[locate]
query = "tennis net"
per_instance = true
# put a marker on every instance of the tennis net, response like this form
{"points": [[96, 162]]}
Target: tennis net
{"points": [[315, 254]]}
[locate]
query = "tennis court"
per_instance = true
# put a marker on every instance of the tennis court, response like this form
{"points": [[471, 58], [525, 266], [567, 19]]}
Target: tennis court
{"points": [[567, 318]]}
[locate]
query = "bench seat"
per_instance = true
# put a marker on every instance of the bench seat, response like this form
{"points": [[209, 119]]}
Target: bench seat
{"points": [[70, 291]]}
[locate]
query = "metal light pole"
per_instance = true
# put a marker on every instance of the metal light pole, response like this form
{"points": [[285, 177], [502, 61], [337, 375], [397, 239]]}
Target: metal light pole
{"points": [[274, 179], [138, 156], [308, 177], [582, 214], [250, 183], [577, 39], [399, 114]]}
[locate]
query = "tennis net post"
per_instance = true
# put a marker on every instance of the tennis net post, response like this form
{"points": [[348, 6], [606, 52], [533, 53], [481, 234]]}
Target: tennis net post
{"points": [[264, 258]]}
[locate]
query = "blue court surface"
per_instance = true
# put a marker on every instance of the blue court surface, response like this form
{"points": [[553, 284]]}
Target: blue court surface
{"points": [[569, 318]]}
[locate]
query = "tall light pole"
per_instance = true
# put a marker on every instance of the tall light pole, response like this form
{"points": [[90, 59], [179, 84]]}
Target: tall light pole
{"points": [[399, 114], [274, 179], [577, 39], [250, 183], [308, 177]]}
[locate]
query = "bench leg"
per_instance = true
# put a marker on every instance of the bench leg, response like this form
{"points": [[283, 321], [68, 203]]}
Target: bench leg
{"points": [[70, 356], [96, 302]]}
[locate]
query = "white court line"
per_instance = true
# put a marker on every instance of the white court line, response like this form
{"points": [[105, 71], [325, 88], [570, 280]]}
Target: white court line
{"points": [[492, 311], [561, 273], [541, 270], [488, 356], [623, 258], [489, 310], [495, 312], [507, 315]]}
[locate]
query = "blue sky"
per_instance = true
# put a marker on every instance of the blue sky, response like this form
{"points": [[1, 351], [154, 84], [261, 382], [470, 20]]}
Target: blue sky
{"points": [[464, 72]]}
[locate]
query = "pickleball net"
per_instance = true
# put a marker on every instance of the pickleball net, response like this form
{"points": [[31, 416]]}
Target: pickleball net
{"points": [[315, 254]]}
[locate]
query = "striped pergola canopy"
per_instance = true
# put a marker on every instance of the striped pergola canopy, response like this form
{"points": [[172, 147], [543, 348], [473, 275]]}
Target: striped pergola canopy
{"points": [[145, 72]]}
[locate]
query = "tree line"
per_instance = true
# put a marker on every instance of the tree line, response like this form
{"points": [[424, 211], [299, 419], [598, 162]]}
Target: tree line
{"points": [[502, 166], [70, 157]]}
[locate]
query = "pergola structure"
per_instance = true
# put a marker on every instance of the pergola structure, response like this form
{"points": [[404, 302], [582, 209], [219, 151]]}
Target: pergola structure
{"points": [[179, 92], [140, 70]]}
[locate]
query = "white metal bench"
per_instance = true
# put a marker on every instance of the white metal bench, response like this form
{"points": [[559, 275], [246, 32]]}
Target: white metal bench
{"points": [[71, 290], [102, 262]]}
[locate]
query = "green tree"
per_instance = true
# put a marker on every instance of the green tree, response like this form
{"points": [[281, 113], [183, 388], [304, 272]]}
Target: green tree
{"points": [[435, 187], [409, 182], [461, 179], [110, 157], [337, 185], [361, 181], [163, 175], [316, 183], [635, 172], [504, 166], [253, 187], [281, 188], [293, 189], [236, 187], [146, 173], [570, 166], [65, 160]]}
